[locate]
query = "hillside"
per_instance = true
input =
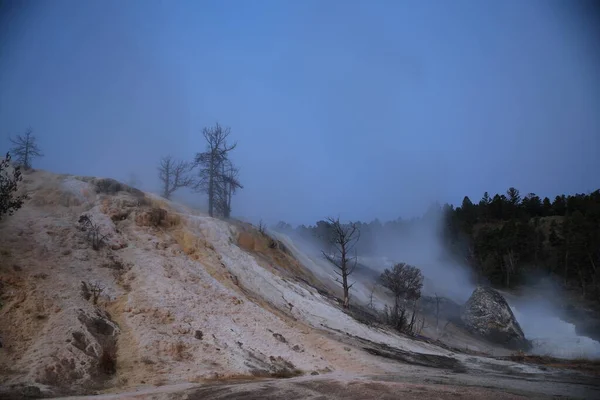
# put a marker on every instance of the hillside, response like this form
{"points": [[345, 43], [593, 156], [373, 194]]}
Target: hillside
{"points": [[187, 302]]}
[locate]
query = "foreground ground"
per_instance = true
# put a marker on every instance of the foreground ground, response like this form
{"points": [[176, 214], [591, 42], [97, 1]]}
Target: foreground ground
{"points": [[412, 383]]}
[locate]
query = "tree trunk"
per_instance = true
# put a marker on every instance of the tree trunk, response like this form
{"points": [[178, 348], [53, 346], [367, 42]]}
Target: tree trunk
{"points": [[211, 184], [566, 266], [411, 326], [437, 314], [229, 196], [345, 278], [166, 193], [582, 280], [346, 295], [536, 250], [26, 158], [210, 195]]}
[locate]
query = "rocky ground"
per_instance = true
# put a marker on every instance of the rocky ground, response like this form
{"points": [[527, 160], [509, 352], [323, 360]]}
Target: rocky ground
{"points": [[174, 304]]}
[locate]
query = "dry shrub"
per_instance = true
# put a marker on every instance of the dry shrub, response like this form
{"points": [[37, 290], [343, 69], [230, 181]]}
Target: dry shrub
{"points": [[282, 368], [156, 203], [190, 243], [93, 232], [160, 381], [92, 291], [283, 373], [272, 254], [179, 351], [161, 316], [54, 197], [119, 215], [172, 220], [158, 217], [112, 187], [147, 360]]}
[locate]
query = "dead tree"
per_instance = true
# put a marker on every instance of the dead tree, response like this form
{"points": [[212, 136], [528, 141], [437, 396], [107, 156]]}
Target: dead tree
{"points": [[25, 149], [343, 240], [371, 293], [173, 175], [212, 163], [226, 185], [230, 184]]}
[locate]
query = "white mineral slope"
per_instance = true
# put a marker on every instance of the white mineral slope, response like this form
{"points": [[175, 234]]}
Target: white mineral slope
{"points": [[159, 301], [301, 302], [313, 260]]}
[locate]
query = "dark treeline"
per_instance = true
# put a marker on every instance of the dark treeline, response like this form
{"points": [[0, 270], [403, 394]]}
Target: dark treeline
{"points": [[503, 239]]}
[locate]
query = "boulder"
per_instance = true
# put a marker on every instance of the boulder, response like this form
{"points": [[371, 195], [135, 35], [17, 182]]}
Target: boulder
{"points": [[488, 315]]}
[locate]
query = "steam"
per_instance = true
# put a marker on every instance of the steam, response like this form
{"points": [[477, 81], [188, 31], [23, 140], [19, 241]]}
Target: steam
{"points": [[422, 246], [551, 336], [538, 311]]}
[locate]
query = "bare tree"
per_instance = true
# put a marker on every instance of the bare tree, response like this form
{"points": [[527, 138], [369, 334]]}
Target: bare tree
{"points": [[9, 180], [405, 281], [25, 148], [343, 240], [229, 183], [214, 166], [173, 175], [371, 294], [226, 185]]}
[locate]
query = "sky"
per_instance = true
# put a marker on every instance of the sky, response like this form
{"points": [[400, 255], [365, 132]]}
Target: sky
{"points": [[357, 109]]}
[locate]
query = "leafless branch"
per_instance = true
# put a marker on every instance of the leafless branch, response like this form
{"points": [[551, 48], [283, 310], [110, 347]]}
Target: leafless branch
{"points": [[174, 175]]}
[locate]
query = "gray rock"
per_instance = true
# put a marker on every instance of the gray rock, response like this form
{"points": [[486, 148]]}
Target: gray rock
{"points": [[488, 315]]}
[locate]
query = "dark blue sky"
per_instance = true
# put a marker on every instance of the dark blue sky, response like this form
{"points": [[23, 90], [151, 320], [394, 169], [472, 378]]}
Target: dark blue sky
{"points": [[361, 109]]}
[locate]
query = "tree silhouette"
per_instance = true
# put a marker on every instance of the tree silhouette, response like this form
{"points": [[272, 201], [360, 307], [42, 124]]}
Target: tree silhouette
{"points": [[343, 238], [173, 175], [217, 175], [25, 148]]}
